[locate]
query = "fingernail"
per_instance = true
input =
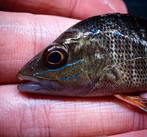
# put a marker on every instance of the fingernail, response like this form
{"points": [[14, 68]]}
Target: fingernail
{"points": [[115, 5]]}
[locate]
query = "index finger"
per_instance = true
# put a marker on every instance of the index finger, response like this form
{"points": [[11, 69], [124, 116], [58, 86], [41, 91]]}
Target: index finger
{"points": [[69, 8]]}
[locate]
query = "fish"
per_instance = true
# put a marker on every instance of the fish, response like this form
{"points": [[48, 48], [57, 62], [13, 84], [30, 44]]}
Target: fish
{"points": [[103, 55]]}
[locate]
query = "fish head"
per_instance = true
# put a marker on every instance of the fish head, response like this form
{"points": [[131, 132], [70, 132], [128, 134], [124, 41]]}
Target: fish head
{"points": [[59, 67], [69, 63]]}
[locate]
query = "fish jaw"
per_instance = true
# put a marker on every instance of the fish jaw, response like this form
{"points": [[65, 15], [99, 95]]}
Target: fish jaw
{"points": [[37, 86], [48, 87], [51, 88]]}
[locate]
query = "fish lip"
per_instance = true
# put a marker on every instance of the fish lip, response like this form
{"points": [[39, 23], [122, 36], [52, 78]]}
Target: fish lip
{"points": [[38, 86], [27, 78], [30, 84]]}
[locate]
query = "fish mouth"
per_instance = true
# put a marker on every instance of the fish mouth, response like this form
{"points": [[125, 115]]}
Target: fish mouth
{"points": [[34, 85], [47, 87]]}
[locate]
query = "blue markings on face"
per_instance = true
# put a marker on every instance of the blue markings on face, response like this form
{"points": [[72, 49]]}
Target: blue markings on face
{"points": [[61, 68], [74, 76], [67, 65]]}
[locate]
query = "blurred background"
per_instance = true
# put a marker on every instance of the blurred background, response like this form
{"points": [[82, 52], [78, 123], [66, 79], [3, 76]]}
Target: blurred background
{"points": [[137, 7]]}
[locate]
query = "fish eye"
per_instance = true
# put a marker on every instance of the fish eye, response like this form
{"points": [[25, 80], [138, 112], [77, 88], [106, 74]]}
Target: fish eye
{"points": [[55, 57]]}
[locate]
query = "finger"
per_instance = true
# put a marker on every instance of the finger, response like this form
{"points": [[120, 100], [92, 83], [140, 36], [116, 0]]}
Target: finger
{"points": [[69, 8], [23, 36], [141, 133], [43, 116]]}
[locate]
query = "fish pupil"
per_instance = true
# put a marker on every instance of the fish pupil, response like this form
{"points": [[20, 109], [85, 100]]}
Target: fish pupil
{"points": [[55, 57]]}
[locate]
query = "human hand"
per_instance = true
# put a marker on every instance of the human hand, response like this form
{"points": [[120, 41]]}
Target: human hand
{"points": [[22, 35]]}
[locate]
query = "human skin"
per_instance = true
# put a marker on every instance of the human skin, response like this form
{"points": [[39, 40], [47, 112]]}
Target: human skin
{"points": [[22, 35]]}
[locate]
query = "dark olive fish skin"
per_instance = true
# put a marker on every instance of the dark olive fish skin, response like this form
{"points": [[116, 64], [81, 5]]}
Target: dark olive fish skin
{"points": [[107, 55]]}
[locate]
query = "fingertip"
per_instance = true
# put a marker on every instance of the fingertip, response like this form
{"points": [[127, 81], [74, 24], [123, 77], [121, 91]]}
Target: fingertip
{"points": [[97, 7], [116, 6]]}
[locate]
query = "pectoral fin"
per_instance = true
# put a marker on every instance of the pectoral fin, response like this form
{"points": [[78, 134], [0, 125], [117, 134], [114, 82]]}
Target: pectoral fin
{"points": [[134, 100]]}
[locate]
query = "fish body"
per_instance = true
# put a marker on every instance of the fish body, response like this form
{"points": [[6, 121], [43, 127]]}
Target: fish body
{"points": [[100, 56]]}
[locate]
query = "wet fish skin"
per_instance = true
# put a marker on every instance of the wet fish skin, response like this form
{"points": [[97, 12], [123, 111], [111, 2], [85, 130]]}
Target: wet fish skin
{"points": [[107, 55]]}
